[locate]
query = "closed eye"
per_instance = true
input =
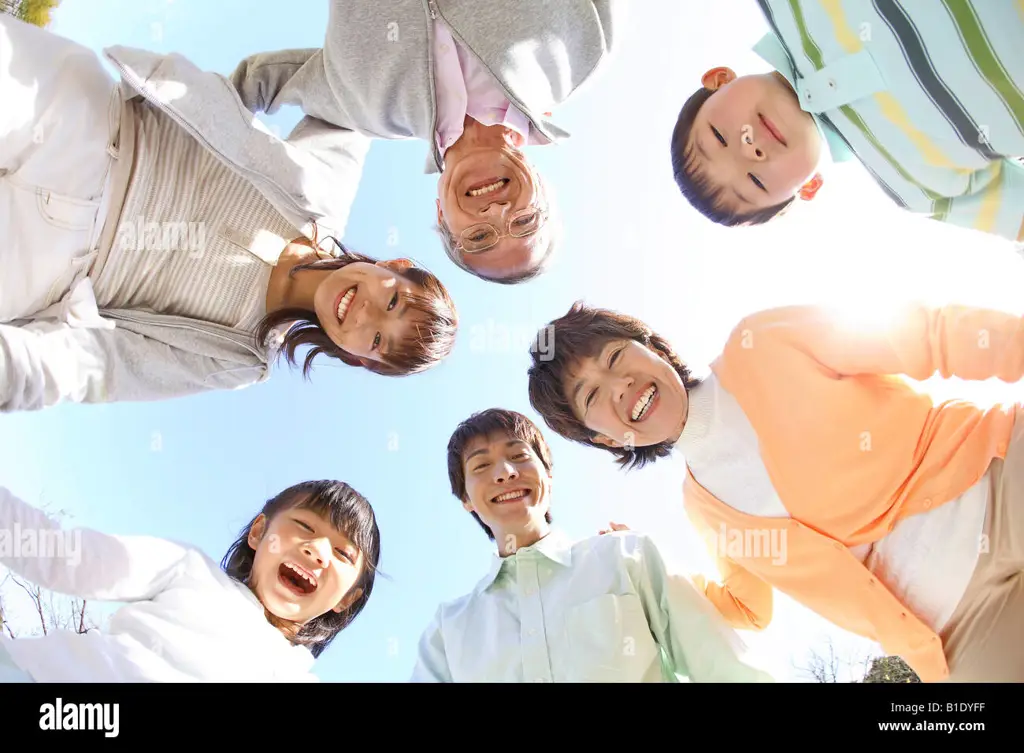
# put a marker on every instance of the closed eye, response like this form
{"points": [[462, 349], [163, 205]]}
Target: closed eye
{"points": [[718, 135], [757, 183]]}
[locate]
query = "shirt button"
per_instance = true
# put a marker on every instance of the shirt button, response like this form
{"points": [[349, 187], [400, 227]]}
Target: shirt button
{"points": [[807, 94], [444, 49], [837, 545], [832, 84], [928, 503], [531, 631]]}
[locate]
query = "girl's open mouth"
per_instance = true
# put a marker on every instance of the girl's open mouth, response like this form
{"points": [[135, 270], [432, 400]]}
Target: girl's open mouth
{"points": [[299, 581]]}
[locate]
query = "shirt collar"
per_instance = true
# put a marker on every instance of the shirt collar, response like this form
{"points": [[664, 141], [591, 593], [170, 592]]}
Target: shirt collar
{"points": [[700, 405], [556, 547], [772, 51]]}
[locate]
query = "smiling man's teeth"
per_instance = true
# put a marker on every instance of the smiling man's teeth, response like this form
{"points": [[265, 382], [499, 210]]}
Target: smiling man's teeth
{"points": [[644, 402], [509, 496], [345, 302], [488, 189]]}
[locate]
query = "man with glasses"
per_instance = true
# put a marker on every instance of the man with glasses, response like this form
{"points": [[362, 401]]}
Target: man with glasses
{"points": [[478, 79]]}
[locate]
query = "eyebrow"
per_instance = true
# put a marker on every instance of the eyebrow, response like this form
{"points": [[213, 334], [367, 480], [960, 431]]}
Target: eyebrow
{"points": [[404, 299], [737, 194], [485, 450]]}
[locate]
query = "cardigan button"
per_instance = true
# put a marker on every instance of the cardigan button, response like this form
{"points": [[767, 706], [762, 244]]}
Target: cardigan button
{"points": [[928, 503]]}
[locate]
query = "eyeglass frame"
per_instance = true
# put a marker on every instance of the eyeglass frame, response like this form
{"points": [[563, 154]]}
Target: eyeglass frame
{"points": [[543, 218]]}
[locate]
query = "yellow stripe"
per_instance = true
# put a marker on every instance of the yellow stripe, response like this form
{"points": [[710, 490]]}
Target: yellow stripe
{"points": [[991, 200], [886, 102]]}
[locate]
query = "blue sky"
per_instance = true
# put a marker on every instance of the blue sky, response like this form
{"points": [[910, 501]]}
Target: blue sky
{"points": [[198, 468]]}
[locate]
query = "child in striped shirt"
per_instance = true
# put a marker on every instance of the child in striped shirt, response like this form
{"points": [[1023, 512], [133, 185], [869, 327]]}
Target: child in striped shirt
{"points": [[926, 95]]}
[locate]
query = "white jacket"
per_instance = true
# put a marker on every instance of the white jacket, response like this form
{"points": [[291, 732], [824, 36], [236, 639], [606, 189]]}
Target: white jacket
{"points": [[185, 620]]}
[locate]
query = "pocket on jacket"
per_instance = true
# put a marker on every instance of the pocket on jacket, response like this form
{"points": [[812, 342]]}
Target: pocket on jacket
{"points": [[609, 639], [66, 213]]}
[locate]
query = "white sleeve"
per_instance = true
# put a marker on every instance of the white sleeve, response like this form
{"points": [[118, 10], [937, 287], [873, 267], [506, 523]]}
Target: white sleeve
{"points": [[82, 562]]}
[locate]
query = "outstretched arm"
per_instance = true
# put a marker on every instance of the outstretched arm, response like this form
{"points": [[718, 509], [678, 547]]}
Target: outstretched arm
{"points": [[267, 80], [698, 642], [46, 363], [432, 662], [81, 562], [914, 340]]}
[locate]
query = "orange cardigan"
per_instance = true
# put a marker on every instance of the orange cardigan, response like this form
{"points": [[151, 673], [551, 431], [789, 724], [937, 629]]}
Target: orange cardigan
{"points": [[852, 450]]}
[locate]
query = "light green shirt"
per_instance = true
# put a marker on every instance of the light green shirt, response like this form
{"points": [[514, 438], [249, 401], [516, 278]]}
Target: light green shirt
{"points": [[605, 609], [928, 95]]}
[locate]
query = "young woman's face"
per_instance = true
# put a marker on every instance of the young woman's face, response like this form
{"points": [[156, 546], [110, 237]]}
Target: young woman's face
{"points": [[364, 309], [628, 394], [304, 567]]}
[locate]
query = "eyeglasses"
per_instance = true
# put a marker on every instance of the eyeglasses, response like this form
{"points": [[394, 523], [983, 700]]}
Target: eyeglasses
{"points": [[484, 235]]}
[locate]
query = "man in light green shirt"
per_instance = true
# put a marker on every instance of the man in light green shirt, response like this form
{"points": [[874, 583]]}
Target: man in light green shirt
{"points": [[604, 609]]}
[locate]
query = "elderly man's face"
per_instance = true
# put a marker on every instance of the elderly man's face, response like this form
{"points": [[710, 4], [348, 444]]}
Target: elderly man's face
{"points": [[488, 182]]}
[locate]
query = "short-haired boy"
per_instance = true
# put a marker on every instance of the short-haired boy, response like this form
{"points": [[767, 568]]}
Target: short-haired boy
{"points": [[927, 95]]}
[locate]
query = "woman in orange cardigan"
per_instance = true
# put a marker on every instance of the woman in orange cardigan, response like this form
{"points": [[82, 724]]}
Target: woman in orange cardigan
{"points": [[814, 467]]}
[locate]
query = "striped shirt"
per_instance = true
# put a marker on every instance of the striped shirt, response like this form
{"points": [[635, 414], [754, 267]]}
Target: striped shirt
{"points": [[183, 245], [926, 94]]}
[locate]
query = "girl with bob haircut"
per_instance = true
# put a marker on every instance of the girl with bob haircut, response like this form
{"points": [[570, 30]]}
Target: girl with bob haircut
{"points": [[297, 575], [816, 466], [157, 244]]}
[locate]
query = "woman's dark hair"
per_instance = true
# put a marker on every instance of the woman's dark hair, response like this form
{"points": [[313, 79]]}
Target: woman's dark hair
{"points": [[349, 513], [580, 333], [433, 340]]}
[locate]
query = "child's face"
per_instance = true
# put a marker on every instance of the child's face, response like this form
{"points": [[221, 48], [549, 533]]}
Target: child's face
{"points": [[507, 484], [628, 394], [364, 308], [753, 141], [304, 567]]}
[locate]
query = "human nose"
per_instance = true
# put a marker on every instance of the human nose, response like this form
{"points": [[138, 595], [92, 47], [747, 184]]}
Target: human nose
{"points": [[319, 550], [496, 210], [620, 387], [505, 472], [750, 145]]}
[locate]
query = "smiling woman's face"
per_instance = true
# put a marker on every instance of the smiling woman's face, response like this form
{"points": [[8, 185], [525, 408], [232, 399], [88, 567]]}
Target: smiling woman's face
{"points": [[364, 309], [628, 395]]}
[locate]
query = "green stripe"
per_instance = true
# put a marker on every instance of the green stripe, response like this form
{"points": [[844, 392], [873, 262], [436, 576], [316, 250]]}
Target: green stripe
{"points": [[814, 53], [940, 209], [984, 58]]}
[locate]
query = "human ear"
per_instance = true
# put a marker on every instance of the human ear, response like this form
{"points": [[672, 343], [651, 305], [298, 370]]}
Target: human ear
{"points": [[256, 530], [349, 600], [601, 439], [716, 78]]}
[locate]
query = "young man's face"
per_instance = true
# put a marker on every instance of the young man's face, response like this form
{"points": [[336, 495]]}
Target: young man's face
{"points": [[628, 394], [507, 485], [752, 140]]}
